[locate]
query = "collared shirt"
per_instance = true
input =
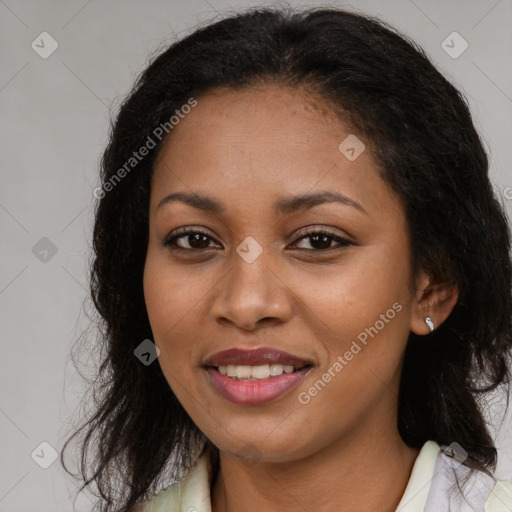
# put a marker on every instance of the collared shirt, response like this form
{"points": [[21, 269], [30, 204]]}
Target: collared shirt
{"points": [[432, 487]]}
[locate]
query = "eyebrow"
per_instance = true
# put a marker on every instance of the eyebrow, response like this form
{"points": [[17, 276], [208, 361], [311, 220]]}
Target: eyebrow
{"points": [[284, 206]]}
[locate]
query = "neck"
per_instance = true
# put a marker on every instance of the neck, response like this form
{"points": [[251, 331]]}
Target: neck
{"points": [[357, 472]]}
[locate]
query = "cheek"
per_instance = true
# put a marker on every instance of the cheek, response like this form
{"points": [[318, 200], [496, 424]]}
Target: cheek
{"points": [[170, 297], [368, 315], [365, 309], [342, 301], [169, 302], [171, 292]]}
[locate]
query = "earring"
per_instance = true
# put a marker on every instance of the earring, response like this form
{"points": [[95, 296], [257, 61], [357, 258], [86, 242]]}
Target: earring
{"points": [[429, 322]]}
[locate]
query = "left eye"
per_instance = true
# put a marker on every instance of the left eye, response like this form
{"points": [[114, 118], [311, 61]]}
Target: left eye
{"points": [[319, 240]]}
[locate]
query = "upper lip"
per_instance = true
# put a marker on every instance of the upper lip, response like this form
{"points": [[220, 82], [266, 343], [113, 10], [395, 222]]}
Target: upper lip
{"points": [[254, 357]]}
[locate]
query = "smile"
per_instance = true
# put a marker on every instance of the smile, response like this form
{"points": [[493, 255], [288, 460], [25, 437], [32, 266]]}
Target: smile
{"points": [[253, 385]]}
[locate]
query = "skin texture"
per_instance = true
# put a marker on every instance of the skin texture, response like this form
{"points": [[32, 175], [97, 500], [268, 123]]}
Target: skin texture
{"points": [[248, 149]]}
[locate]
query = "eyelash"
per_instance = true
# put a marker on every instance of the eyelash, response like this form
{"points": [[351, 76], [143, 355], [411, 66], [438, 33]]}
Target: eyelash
{"points": [[307, 233]]}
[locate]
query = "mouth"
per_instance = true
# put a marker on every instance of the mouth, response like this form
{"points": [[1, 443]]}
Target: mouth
{"points": [[256, 375], [255, 385]]}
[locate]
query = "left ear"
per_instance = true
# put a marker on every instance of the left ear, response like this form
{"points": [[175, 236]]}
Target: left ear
{"points": [[435, 300]]}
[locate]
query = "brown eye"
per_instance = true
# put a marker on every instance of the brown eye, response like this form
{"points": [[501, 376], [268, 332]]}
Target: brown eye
{"points": [[188, 240], [194, 241], [321, 240]]}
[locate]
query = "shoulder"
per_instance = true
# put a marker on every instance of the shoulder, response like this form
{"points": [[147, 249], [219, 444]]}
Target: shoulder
{"points": [[457, 487], [191, 493]]}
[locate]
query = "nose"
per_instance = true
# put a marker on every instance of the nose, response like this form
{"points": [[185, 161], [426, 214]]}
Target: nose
{"points": [[252, 294]]}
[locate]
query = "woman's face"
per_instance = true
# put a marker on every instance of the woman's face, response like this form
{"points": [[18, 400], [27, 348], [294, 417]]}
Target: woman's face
{"points": [[254, 278]]}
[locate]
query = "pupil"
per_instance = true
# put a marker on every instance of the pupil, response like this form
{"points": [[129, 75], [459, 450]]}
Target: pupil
{"points": [[325, 241], [195, 242]]}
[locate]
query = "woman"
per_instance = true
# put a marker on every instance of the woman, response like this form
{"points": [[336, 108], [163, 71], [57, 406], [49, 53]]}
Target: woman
{"points": [[296, 210]]}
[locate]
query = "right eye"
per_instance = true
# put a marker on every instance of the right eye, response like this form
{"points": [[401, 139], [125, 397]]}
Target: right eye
{"points": [[188, 240]]}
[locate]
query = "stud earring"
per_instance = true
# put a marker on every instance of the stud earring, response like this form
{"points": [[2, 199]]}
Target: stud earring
{"points": [[429, 322]]}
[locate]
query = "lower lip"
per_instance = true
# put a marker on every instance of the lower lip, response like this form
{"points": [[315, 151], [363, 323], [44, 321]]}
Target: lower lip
{"points": [[253, 392]]}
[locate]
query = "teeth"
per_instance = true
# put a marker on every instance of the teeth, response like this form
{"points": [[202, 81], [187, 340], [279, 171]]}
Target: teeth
{"points": [[243, 372], [263, 371], [256, 372]]}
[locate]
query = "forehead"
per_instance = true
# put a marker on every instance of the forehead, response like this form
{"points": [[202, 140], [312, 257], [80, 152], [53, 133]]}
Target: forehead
{"points": [[269, 139], [273, 117]]}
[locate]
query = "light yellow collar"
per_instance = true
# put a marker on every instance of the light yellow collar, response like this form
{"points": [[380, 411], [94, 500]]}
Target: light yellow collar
{"points": [[416, 492]]}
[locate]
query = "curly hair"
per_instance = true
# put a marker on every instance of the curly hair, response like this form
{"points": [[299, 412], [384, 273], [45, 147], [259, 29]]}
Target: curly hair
{"points": [[427, 149]]}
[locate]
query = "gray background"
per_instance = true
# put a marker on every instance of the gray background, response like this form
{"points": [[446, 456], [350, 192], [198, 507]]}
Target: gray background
{"points": [[54, 121]]}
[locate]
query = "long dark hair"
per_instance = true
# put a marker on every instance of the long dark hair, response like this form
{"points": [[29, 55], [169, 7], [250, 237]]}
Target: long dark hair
{"points": [[426, 146]]}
